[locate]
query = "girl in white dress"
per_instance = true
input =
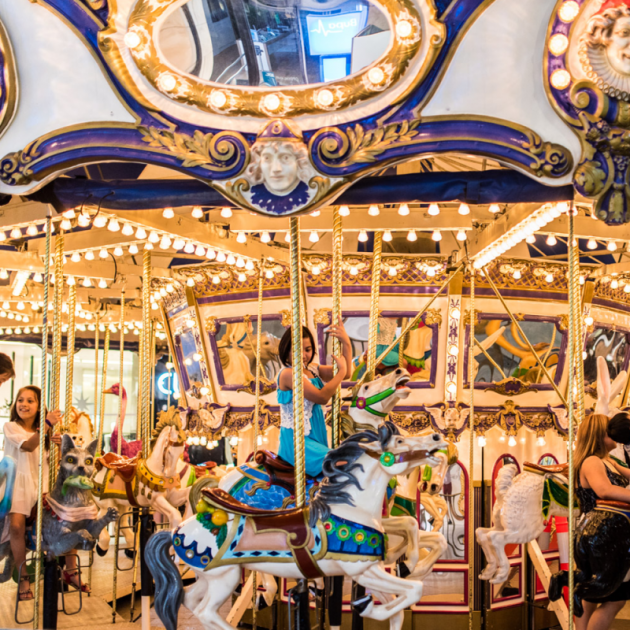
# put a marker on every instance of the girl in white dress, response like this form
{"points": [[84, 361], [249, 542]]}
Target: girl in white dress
{"points": [[21, 442]]}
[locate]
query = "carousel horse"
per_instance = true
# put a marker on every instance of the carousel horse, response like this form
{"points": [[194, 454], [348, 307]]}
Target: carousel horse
{"points": [[127, 449], [339, 533], [70, 520], [162, 482], [526, 501]]}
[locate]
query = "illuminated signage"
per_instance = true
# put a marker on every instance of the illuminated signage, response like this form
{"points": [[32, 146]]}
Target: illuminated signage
{"points": [[168, 384], [333, 34]]}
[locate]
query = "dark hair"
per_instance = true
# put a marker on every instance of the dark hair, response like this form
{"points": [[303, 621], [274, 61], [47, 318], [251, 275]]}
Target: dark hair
{"points": [[13, 414], [619, 428], [6, 365], [284, 348]]}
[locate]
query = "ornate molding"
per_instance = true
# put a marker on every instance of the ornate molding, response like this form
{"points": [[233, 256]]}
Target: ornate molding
{"points": [[266, 386], [433, 316], [510, 387], [322, 316]]}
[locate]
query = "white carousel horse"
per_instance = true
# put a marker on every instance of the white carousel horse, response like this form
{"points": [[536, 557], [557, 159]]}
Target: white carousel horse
{"points": [[341, 533], [526, 501]]}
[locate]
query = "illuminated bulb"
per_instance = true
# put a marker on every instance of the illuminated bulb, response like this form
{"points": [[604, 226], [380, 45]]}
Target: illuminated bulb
{"points": [[189, 248], [588, 320], [461, 235], [36, 330], [20, 306], [133, 249], [190, 282], [313, 236], [354, 271], [131, 39], [451, 387], [200, 251], [264, 237], [392, 271], [9, 331], [558, 44], [551, 240], [178, 243], [591, 243], [141, 233], [241, 237], [11, 316], [18, 331], [154, 237], [453, 350], [363, 237], [113, 225], [316, 270], [568, 11], [66, 224], [512, 441], [614, 284], [3, 236], [269, 274], [481, 441], [242, 277], [272, 102], [76, 257], [148, 246], [626, 288], [404, 29], [531, 238], [249, 265], [230, 260], [287, 237], [436, 236], [387, 236], [434, 210], [240, 262], [167, 82], [197, 212], [463, 209], [516, 275], [83, 220], [344, 211], [216, 279], [325, 98], [612, 246], [411, 236], [315, 213], [494, 208], [71, 281], [102, 253], [197, 356], [86, 282], [163, 292], [373, 211], [102, 284], [376, 76], [221, 257], [211, 254], [549, 277], [31, 230], [100, 221], [168, 213], [403, 210], [165, 242], [226, 213], [38, 277], [118, 250], [560, 79]]}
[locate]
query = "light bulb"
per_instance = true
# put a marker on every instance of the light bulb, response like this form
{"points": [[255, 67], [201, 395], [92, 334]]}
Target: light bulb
{"points": [[230, 260], [200, 251], [612, 246], [141, 233], [531, 238], [211, 254], [588, 320], [226, 213], [517, 274], [354, 271], [83, 220], [216, 279], [614, 284], [434, 210], [374, 211], [178, 243], [549, 277], [86, 282], [154, 237], [221, 257], [463, 209], [38, 277], [265, 237], [127, 229], [189, 248], [287, 237], [242, 277], [387, 236], [461, 235], [392, 271], [626, 288], [363, 237], [344, 211], [20, 306], [411, 236], [103, 253], [190, 282], [165, 241], [148, 246], [118, 250], [436, 236], [113, 225], [102, 284], [481, 441], [269, 274], [100, 221], [76, 257], [197, 212], [494, 208], [314, 236], [65, 224], [551, 240], [249, 265], [403, 210], [89, 255], [133, 249], [240, 262], [168, 213], [540, 441], [315, 270], [3, 236], [31, 230], [71, 281], [512, 441], [241, 237]]}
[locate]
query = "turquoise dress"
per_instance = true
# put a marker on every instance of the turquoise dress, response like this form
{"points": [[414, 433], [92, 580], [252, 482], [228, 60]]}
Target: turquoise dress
{"points": [[315, 436]]}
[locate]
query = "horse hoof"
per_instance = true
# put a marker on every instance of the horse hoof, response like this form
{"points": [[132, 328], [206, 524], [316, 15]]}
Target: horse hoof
{"points": [[403, 570], [361, 605], [100, 551]]}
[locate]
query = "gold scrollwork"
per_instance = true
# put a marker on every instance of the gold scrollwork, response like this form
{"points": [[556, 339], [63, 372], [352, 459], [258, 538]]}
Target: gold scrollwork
{"points": [[211, 324], [286, 317], [551, 160], [467, 317], [322, 316], [563, 324], [510, 387], [8, 100], [266, 386], [433, 316]]}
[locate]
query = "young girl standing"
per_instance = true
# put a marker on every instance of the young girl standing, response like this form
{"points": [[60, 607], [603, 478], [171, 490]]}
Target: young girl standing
{"points": [[319, 387], [21, 442]]}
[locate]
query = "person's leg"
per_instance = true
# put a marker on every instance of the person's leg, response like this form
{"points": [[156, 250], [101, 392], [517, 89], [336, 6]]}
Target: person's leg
{"points": [[603, 617], [71, 574], [581, 623], [17, 528]]}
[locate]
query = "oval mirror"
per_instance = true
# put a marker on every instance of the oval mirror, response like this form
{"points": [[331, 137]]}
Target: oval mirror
{"points": [[273, 43]]}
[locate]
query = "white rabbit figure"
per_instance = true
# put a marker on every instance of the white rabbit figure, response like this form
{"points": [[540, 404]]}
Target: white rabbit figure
{"points": [[607, 392]]}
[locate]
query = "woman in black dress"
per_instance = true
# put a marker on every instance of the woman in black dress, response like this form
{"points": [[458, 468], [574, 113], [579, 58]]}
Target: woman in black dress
{"points": [[598, 476]]}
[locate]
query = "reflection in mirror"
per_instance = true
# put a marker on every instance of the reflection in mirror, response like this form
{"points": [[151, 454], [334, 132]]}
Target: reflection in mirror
{"points": [[510, 588], [508, 353], [236, 345], [417, 346], [444, 587], [452, 499], [607, 343], [190, 357], [274, 43]]}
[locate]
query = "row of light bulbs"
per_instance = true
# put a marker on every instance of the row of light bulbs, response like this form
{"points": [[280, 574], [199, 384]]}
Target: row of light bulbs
{"points": [[113, 328], [481, 440]]}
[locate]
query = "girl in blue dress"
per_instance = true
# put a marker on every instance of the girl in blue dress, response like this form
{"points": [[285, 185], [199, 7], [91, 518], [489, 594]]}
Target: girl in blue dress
{"points": [[319, 387]]}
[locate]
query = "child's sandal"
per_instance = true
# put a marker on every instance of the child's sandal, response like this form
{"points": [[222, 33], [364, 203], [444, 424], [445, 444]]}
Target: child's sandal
{"points": [[25, 596]]}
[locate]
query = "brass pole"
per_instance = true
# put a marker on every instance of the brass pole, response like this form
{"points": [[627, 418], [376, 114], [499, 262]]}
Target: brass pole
{"points": [[72, 306], [121, 371], [42, 425], [96, 349], [337, 287], [298, 384], [146, 348], [55, 385], [571, 410], [370, 368], [152, 377], [413, 321], [103, 388], [471, 427], [520, 330], [578, 322]]}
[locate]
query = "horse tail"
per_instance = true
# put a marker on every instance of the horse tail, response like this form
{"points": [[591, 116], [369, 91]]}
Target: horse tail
{"points": [[169, 590], [504, 480]]}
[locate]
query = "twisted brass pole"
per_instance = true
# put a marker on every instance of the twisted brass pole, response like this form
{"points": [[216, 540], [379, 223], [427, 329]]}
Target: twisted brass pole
{"points": [[337, 287], [146, 350], [42, 431], [370, 368], [72, 306], [298, 384], [578, 321], [570, 408], [471, 428], [55, 384], [121, 371], [96, 349], [103, 388]]}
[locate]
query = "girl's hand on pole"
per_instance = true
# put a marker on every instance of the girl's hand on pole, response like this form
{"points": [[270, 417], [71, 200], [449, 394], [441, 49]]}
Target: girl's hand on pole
{"points": [[53, 418], [341, 365], [55, 438], [339, 332]]}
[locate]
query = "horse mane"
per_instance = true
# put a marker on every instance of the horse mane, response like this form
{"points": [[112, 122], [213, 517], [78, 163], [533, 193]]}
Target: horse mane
{"points": [[169, 418], [338, 469]]}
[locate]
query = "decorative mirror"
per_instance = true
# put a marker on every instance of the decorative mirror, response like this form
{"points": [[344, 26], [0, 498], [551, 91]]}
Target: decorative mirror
{"points": [[189, 357], [612, 344]]}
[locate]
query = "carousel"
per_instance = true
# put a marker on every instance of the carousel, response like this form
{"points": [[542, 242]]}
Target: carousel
{"points": [[371, 292]]}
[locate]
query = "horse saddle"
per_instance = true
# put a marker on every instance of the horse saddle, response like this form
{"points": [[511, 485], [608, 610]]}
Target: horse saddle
{"points": [[280, 473], [288, 528], [619, 507], [554, 469], [124, 467]]}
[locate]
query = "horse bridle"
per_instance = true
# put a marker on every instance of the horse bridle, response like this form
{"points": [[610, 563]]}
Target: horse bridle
{"points": [[388, 458], [360, 402]]}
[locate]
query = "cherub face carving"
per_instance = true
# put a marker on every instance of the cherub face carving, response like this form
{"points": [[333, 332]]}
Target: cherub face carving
{"points": [[279, 168], [618, 49]]}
